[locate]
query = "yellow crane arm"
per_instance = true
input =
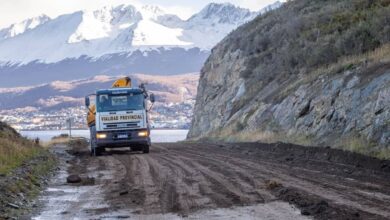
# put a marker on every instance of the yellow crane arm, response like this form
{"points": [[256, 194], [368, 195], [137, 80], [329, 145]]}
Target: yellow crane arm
{"points": [[122, 82]]}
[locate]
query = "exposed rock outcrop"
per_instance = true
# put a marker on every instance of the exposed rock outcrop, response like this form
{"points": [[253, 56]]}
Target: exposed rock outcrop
{"points": [[294, 75]]}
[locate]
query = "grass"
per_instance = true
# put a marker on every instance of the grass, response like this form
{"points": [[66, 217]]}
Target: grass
{"points": [[28, 183], [60, 139], [351, 143], [26, 164], [379, 55], [383, 154], [15, 151], [362, 146]]}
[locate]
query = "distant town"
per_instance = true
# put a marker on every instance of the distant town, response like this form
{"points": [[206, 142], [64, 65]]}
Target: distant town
{"points": [[163, 116]]}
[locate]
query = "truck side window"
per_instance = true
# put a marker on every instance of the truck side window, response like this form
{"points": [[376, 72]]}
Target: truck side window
{"points": [[103, 99]]}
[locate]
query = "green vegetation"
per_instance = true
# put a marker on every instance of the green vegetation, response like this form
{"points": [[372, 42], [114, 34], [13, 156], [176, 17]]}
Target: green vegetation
{"points": [[14, 149], [27, 182], [302, 65], [305, 35], [31, 183], [23, 166]]}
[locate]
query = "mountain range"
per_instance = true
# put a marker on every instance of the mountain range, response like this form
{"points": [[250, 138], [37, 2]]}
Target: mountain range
{"points": [[62, 94], [114, 40]]}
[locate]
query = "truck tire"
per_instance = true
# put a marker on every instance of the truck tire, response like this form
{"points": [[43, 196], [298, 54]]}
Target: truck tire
{"points": [[93, 142], [98, 151], [146, 149]]}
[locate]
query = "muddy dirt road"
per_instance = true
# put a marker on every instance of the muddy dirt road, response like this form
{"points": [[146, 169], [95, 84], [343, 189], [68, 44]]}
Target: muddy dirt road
{"points": [[216, 181]]}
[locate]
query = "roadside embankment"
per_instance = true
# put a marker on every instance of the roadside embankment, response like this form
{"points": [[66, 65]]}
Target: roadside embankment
{"points": [[319, 79], [24, 169]]}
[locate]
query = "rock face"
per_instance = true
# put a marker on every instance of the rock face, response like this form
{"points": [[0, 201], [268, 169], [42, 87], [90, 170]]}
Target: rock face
{"points": [[268, 82]]}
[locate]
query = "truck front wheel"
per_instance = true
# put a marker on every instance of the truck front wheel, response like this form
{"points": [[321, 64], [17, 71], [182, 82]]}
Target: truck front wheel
{"points": [[146, 149]]}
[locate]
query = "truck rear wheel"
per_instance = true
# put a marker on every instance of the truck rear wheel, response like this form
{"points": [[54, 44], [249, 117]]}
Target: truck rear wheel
{"points": [[146, 149], [97, 151]]}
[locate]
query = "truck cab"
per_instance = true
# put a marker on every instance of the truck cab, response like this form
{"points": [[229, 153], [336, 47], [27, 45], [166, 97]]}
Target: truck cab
{"points": [[121, 120]]}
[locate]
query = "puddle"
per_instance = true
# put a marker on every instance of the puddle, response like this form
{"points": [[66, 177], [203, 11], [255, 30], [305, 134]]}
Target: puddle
{"points": [[63, 201]]}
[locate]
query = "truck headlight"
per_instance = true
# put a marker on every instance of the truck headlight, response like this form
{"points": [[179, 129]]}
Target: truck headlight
{"points": [[101, 136], [143, 133]]}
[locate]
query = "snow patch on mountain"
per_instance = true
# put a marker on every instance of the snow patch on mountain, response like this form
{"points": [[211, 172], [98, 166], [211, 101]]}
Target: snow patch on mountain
{"points": [[226, 13], [105, 23], [150, 33], [21, 27]]}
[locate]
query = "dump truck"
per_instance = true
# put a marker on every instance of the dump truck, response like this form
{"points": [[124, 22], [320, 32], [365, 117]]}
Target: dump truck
{"points": [[118, 117]]}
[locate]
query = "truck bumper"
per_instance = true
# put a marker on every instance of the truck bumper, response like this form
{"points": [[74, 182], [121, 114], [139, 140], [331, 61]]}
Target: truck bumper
{"points": [[114, 139]]}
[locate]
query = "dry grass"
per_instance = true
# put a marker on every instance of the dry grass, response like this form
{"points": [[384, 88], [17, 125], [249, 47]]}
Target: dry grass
{"points": [[16, 150], [383, 154], [351, 143], [62, 140], [363, 146], [379, 55]]}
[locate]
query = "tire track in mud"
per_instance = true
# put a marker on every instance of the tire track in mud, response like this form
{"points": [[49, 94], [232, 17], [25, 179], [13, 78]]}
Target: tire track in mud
{"points": [[231, 181], [230, 176], [339, 189], [186, 177], [184, 185]]}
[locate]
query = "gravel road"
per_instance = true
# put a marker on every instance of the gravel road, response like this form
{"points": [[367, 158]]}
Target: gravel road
{"points": [[221, 181]]}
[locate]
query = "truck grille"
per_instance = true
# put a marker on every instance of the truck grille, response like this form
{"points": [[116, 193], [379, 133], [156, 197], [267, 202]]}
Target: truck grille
{"points": [[113, 126]]}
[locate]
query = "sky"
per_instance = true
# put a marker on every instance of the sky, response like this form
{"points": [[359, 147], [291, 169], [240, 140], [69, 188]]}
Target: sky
{"points": [[12, 11]]}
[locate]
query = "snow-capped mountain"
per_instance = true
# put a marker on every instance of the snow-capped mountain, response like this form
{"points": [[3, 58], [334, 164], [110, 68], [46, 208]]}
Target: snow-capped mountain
{"points": [[115, 40], [222, 14], [117, 29], [21, 27]]}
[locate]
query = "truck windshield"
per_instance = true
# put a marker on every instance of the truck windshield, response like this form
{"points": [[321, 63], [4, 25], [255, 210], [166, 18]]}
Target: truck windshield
{"points": [[123, 102]]}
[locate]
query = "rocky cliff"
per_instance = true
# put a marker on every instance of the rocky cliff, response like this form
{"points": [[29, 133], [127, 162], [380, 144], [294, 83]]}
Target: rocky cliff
{"points": [[311, 72]]}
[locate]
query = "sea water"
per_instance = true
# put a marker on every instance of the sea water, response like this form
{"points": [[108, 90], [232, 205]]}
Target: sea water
{"points": [[157, 136]]}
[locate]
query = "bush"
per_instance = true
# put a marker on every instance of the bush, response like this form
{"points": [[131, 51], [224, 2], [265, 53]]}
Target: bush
{"points": [[304, 34]]}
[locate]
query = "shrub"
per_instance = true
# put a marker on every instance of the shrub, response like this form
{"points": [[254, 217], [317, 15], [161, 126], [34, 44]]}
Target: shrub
{"points": [[304, 34]]}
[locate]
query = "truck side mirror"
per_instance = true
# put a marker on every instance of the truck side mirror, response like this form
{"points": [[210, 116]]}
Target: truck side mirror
{"points": [[87, 101], [152, 98]]}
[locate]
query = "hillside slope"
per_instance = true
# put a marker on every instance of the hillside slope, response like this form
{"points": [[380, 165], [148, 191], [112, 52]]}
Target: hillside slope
{"points": [[59, 94], [311, 72], [24, 166]]}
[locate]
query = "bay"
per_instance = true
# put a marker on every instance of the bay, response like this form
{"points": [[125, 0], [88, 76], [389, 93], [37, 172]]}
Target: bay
{"points": [[157, 136]]}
